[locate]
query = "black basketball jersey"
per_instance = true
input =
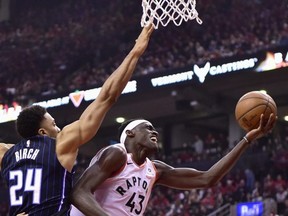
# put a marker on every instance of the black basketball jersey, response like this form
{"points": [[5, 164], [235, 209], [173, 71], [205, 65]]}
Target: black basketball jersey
{"points": [[37, 182]]}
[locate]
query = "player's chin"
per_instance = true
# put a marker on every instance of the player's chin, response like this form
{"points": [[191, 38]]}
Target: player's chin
{"points": [[151, 146], [154, 146]]}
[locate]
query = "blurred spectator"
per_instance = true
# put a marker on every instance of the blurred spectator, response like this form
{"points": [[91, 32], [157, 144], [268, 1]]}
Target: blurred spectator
{"points": [[198, 144], [285, 213], [208, 201], [281, 195], [268, 186], [250, 179]]}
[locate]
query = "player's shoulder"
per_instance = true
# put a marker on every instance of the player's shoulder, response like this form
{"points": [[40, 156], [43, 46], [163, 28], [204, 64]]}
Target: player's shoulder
{"points": [[113, 154], [116, 150], [119, 147]]}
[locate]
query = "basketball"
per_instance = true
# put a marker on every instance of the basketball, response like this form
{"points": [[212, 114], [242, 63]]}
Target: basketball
{"points": [[250, 107]]}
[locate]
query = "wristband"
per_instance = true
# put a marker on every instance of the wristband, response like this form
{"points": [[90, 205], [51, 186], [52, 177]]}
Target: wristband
{"points": [[246, 140]]}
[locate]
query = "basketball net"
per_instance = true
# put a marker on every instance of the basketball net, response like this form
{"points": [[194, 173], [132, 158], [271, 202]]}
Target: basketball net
{"points": [[161, 12]]}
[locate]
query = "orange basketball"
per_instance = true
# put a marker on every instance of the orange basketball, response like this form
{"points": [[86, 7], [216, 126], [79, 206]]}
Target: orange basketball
{"points": [[250, 107]]}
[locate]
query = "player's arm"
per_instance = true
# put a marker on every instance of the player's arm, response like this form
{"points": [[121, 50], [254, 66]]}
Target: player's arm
{"points": [[3, 149], [109, 163], [187, 178], [6, 146], [83, 130]]}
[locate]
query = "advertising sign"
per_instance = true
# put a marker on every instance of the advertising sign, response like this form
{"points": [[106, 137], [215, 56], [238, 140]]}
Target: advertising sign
{"points": [[250, 209]]}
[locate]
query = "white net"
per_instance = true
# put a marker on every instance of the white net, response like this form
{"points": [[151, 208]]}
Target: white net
{"points": [[161, 12]]}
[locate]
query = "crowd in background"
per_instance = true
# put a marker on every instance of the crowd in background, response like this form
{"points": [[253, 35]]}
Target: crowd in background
{"points": [[49, 48], [53, 47], [260, 176]]}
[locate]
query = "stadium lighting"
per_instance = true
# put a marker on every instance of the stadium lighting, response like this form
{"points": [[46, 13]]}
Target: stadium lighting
{"points": [[120, 119]]}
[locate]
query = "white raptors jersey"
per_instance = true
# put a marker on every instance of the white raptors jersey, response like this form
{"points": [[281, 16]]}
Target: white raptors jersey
{"points": [[128, 192]]}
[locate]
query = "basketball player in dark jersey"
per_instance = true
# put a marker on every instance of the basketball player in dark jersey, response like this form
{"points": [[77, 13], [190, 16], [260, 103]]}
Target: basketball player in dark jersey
{"points": [[120, 177], [38, 169]]}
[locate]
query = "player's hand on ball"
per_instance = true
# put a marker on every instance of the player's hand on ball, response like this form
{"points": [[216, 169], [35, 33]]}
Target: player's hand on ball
{"points": [[264, 128]]}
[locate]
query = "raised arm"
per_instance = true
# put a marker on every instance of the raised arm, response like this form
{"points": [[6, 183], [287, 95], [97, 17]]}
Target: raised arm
{"points": [[83, 130], [111, 160], [91, 118], [187, 178]]}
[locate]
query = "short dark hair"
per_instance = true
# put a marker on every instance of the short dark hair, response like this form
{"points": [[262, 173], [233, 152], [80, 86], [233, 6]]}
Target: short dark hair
{"points": [[124, 124], [29, 119]]}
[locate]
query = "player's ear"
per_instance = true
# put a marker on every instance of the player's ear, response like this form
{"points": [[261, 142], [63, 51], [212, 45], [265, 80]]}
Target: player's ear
{"points": [[130, 133], [41, 131]]}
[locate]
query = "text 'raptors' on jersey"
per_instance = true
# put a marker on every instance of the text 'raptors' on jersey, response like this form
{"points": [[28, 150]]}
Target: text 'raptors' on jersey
{"points": [[133, 182]]}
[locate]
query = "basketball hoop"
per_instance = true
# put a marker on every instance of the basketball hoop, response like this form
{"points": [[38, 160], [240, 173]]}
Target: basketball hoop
{"points": [[162, 12]]}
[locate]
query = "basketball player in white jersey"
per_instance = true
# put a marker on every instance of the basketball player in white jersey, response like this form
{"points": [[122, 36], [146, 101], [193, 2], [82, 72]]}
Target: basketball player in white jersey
{"points": [[120, 178]]}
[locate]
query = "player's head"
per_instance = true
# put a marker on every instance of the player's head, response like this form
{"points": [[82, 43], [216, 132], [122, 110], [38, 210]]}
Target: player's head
{"points": [[140, 132], [35, 120]]}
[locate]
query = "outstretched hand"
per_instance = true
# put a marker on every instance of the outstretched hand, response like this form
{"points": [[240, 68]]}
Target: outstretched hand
{"points": [[264, 128], [143, 40]]}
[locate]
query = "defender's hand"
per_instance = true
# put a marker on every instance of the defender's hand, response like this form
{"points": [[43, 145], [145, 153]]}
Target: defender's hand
{"points": [[143, 40]]}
